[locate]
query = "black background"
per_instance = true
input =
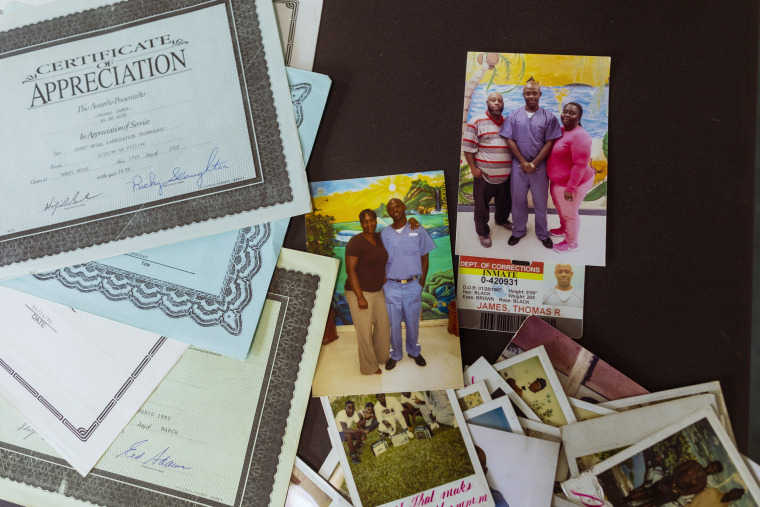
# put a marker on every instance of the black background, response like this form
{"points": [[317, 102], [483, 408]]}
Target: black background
{"points": [[672, 307]]}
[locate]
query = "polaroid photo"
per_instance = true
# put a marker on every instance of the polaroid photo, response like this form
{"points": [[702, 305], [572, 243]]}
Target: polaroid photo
{"points": [[482, 370], [442, 468], [583, 375], [672, 394], [565, 217], [328, 465], [473, 395], [497, 414], [337, 480], [585, 410], [526, 477], [536, 429], [549, 433], [498, 295], [352, 222], [590, 442], [530, 375], [308, 488], [331, 471], [691, 462]]}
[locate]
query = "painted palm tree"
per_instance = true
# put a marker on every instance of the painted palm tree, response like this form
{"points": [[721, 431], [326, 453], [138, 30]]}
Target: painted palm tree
{"points": [[503, 67]]}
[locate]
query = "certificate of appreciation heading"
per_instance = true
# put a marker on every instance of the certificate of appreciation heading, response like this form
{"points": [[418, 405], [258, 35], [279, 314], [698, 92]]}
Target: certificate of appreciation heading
{"points": [[130, 124], [140, 120]]}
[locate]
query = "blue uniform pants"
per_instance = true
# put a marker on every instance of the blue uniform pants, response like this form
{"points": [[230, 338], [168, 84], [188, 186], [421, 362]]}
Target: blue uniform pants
{"points": [[538, 183], [404, 303]]}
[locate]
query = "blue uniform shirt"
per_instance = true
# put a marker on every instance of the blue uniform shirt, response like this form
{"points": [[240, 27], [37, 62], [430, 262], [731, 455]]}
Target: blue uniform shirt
{"points": [[405, 251], [530, 134]]}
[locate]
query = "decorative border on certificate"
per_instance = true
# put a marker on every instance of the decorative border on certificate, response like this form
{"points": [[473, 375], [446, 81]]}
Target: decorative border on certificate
{"points": [[299, 92], [183, 210], [223, 309], [290, 36], [83, 433], [296, 291]]}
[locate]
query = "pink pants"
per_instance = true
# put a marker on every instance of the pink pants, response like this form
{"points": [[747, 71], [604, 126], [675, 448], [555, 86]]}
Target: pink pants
{"points": [[569, 219]]}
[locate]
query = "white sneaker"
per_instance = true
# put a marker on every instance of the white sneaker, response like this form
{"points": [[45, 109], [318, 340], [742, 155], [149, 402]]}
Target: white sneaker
{"points": [[435, 426], [409, 434]]}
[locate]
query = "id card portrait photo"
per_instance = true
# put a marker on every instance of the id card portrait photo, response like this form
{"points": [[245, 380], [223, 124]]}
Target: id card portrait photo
{"points": [[500, 294]]}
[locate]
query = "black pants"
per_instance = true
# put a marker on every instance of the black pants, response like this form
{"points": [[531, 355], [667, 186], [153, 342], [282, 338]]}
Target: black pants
{"points": [[482, 192]]}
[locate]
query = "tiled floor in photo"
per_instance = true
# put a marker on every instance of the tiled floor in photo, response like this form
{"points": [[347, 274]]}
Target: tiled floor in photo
{"points": [[592, 241], [338, 367]]}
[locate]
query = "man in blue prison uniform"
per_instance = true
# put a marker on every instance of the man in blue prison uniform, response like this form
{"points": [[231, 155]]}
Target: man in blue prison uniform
{"points": [[530, 132], [405, 274]]}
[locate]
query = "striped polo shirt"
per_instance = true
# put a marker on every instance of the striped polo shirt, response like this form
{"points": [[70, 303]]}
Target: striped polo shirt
{"points": [[492, 155]]}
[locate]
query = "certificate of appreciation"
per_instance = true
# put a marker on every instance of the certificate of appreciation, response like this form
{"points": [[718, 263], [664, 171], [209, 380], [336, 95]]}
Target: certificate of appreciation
{"points": [[217, 431], [143, 123]]}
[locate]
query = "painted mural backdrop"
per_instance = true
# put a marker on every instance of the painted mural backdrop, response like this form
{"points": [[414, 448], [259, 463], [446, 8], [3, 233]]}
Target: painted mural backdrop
{"points": [[563, 79], [335, 220]]}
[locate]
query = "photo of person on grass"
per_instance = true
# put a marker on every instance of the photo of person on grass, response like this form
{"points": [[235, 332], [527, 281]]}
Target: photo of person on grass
{"points": [[405, 469]]}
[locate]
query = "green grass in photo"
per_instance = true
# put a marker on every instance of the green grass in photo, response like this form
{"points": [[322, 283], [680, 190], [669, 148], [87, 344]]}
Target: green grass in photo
{"points": [[417, 466]]}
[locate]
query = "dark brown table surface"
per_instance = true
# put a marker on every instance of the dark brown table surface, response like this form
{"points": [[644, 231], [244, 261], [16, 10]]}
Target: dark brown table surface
{"points": [[672, 307]]}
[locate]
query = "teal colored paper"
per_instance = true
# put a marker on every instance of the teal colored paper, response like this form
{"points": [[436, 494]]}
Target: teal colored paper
{"points": [[308, 91], [208, 292]]}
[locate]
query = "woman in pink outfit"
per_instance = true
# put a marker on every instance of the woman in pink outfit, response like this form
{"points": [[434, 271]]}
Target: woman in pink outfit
{"points": [[571, 175]]}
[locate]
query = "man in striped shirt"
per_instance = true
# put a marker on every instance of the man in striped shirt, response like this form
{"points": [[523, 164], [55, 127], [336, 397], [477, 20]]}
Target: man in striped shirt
{"points": [[490, 162]]}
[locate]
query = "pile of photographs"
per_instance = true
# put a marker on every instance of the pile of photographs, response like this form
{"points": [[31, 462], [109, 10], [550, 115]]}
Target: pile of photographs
{"points": [[548, 424]]}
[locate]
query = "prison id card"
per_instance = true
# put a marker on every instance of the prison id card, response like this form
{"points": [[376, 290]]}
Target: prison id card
{"points": [[498, 295]]}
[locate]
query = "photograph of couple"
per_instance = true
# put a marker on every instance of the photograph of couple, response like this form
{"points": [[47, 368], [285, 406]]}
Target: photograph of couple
{"points": [[395, 285]]}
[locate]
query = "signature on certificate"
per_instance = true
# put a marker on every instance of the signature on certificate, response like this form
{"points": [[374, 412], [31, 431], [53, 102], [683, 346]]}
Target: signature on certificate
{"points": [[73, 200], [25, 428], [214, 163], [162, 459]]}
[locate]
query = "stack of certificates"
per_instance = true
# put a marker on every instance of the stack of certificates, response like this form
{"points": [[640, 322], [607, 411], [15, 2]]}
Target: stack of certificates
{"points": [[158, 345]]}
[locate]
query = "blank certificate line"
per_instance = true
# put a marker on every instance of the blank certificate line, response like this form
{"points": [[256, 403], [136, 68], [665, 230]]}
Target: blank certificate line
{"points": [[160, 264]]}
